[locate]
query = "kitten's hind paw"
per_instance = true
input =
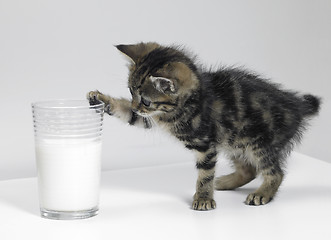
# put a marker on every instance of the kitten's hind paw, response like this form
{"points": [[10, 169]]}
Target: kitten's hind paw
{"points": [[256, 199], [203, 204]]}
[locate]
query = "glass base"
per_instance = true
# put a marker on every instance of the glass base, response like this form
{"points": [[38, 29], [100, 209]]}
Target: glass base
{"points": [[69, 215]]}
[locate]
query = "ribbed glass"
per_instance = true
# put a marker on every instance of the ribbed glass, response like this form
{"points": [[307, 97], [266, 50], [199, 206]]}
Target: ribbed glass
{"points": [[68, 155], [67, 119]]}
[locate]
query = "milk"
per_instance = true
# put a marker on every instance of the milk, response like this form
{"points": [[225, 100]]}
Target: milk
{"points": [[68, 174]]}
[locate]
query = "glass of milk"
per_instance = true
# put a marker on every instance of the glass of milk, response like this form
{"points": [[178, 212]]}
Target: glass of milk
{"points": [[68, 155]]}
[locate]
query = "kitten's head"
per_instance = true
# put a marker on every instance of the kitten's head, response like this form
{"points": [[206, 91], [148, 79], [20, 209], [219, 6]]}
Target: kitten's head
{"points": [[160, 77]]}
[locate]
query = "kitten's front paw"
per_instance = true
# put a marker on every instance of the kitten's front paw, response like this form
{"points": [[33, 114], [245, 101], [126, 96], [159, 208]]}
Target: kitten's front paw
{"points": [[203, 204], [256, 199], [94, 97]]}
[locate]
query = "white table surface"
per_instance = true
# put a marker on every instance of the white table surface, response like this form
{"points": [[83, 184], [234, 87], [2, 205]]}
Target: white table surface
{"points": [[154, 203]]}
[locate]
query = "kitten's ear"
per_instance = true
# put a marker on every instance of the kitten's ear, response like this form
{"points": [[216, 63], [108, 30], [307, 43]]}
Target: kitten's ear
{"points": [[137, 51], [164, 85]]}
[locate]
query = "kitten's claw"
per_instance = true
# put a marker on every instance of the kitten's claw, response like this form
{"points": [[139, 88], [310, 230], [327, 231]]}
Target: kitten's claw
{"points": [[93, 97], [96, 97], [256, 199], [204, 204]]}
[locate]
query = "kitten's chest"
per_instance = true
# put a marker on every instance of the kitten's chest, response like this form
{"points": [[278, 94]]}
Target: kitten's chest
{"points": [[180, 131], [191, 128], [186, 132]]}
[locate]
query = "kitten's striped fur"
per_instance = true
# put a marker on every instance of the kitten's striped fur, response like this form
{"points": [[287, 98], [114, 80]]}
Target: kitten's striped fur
{"points": [[231, 110]]}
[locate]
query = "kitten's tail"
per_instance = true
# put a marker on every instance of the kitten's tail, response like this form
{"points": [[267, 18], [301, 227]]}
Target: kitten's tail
{"points": [[311, 105]]}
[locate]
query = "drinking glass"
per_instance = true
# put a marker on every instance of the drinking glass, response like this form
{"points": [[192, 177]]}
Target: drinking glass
{"points": [[68, 156]]}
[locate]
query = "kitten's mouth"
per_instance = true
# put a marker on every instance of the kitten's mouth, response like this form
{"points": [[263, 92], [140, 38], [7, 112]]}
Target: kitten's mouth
{"points": [[143, 114], [140, 113]]}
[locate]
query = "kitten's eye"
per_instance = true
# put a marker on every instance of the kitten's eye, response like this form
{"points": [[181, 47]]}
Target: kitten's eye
{"points": [[131, 91], [145, 102]]}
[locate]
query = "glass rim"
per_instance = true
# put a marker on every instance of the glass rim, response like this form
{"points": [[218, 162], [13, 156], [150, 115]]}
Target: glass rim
{"points": [[56, 104]]}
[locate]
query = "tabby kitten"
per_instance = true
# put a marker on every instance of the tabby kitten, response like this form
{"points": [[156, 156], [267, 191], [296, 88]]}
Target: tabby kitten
{"points": [[230, 110]]}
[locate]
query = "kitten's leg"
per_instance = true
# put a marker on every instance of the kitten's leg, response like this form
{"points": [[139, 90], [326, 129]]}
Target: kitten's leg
{"points": [[203, 198], [120, 108], [244, 174], [273, 176]]}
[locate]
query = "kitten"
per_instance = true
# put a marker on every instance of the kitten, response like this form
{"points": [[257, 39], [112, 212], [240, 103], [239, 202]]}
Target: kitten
{"points": [[254, 122]]}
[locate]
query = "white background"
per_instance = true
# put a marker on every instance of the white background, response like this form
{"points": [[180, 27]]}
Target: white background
{"points": [[64, 48]]}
